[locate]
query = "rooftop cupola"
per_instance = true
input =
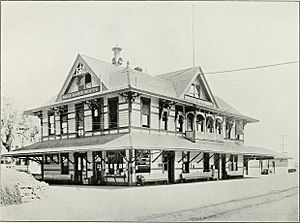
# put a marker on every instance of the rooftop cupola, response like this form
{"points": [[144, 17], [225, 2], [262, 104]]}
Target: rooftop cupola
{"points": [[117, 60]]}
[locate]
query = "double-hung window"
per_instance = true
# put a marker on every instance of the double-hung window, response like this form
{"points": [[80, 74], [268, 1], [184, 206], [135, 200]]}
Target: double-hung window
{"points": [[113, 112], [145, 111], [64, 120], [51, 123]]}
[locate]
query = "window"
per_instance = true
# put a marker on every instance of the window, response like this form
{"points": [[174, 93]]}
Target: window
{"points": [[79, 119], [51, 158], [113, 112], [97, 116], [64, 160], [145, 111], [143, 161], [219, 126], [165, 120], [88, 81], [228, 130], [195, 90], [205, 162], [216, 160], [180, 123], [115, 162], [185, 162], [190, 122], [210, 124], [64, 120], [233, 162], [80, 83], [51, 123], [200, 123]]}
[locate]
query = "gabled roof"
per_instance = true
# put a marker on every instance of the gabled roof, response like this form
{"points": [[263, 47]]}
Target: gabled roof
{"points": [[171, 85], [180, 79], [101, 68], [183, 79], [96, 67]]}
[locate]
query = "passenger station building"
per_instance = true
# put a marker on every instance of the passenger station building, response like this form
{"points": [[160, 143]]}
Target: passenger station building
{"points": [[117, 125]]}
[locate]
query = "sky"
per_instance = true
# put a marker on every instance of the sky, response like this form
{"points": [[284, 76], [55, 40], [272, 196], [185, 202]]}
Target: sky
{"points": [[40, 41]]}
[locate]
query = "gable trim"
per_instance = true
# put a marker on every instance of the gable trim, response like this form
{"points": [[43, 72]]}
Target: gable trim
{"points": [[200, 73], [78, 59]]}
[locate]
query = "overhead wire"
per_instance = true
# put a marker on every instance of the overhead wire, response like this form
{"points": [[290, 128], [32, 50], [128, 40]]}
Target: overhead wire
{"points": [[251, 68]]}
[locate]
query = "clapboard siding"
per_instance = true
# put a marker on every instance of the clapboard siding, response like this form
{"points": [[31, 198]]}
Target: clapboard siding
{"points": [[123, 118]]}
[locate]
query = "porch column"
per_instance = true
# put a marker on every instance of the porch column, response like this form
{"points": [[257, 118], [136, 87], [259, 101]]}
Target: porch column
{"points": [[215, 129], [220, 166], [204, 122], [42, 166], [130, 168]]}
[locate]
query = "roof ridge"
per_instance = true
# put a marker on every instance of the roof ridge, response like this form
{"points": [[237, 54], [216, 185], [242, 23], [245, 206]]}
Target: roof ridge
{"points": [[94, 58], [173, 72]]}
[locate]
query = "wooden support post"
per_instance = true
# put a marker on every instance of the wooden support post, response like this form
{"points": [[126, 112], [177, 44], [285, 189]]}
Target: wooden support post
{"points": [[42, 166], [130, 168]]}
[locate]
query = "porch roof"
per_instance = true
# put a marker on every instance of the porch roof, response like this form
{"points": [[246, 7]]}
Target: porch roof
{"points": [[138, 140]]}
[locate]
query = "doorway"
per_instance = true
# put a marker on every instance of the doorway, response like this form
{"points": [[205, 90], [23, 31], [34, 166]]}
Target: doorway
{"points": [[98, 170], [224, 176], [80, 167], [169, 165]]}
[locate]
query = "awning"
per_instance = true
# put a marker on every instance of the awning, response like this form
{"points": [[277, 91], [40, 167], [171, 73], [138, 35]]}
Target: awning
{"points": [[138, 140]]}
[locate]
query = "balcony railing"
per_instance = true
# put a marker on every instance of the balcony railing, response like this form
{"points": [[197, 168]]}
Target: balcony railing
{"points": [[195, 135]]}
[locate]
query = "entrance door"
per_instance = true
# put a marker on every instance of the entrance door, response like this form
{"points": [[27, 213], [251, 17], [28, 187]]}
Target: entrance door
{"points": [[216, 163], [169, 159], [79, 167], [224, 167], [97, 168]]}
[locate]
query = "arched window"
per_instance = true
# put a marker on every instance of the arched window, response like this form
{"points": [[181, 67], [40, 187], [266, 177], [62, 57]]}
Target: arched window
{"points": [[219, 126], [190, 122], [180, 123], [200, 123], [210, 124]]}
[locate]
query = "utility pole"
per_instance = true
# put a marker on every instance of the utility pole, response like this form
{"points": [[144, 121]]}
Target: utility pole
{"points": [[282, 143], [193, 34]]}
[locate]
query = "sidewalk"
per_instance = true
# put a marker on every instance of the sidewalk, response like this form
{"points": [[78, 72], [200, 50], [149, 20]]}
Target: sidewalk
{"points": [[125, 203]]}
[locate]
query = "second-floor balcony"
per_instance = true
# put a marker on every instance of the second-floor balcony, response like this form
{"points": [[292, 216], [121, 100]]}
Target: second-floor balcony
{"points": [[196, 135]]}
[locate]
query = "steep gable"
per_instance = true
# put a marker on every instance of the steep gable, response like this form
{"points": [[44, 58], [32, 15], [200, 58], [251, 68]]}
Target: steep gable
{"points": [[98, 70], [184, 80]]}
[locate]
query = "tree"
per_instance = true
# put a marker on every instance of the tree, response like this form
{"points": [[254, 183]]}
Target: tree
{"points": [[15, 125], [8, 122]]}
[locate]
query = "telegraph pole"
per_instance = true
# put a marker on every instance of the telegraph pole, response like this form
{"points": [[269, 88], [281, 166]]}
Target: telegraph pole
{"points": [[282, 143], [193, 34]]}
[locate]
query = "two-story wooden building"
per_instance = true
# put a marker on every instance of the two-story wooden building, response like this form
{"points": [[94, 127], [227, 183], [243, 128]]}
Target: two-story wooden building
{"points": [[116, 125]]}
